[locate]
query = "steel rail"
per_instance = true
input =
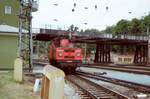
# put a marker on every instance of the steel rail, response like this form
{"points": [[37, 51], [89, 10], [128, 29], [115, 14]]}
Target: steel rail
{"points": [[123, 69], [94, 90], [132, 85], [141, 67]]}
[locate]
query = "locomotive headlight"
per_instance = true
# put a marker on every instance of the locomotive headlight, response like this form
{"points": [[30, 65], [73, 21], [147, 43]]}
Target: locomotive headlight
{"points": [[60, 54], [78, 54]]}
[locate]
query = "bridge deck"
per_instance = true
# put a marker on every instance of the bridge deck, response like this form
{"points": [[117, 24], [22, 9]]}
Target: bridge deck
{"points": [[101, 39]]}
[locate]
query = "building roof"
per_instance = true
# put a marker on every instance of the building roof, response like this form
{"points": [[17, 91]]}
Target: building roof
{"points": [[10, 29]]}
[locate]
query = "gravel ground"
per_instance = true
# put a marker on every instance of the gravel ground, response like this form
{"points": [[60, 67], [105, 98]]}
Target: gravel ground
{"points": [[70, 91]]}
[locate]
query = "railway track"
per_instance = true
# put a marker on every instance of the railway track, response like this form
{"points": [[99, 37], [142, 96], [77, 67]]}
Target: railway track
{"points": [[132, 85], [42, 62], [91, 90], [131, 69]]}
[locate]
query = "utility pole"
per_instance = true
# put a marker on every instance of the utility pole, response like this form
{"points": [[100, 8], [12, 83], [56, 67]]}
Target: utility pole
{"points": [[85, 52], [148, 45], [25, 48], [20, 31], [30, 34], [147, 30]]}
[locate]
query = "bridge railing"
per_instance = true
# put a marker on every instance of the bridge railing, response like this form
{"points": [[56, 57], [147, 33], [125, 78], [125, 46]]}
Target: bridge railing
{"points": [[35, 30], [121, 36]]}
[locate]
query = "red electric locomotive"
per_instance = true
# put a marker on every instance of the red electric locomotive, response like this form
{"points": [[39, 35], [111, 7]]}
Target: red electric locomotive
{"points": [[64, 55]]}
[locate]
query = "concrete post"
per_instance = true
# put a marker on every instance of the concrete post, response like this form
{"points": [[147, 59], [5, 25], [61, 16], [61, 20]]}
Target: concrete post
{"points": [[18, 72], [52, 83]]}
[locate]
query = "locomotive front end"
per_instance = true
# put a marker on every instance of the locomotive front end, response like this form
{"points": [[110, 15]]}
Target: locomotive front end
{"points": [[66, 56]]}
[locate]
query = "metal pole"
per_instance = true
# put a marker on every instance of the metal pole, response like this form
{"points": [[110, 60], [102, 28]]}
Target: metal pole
{"points": [[30, 37], [37, 48], [148, 45], [85, 49], [20, 31], [70, 35], [147, 30]]}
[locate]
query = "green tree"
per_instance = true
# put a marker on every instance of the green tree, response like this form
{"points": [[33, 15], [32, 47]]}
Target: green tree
{"points": [[122, 26], [146, 23], [136, 27], [92, 31], [110, 29]]}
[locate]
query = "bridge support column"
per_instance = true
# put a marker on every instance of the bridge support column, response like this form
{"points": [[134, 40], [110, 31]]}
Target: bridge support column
{"points": [[102, 54], [141, 54]]}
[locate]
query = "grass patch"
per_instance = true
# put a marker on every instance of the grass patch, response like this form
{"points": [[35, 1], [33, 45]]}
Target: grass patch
{"points": [[9, 89]]}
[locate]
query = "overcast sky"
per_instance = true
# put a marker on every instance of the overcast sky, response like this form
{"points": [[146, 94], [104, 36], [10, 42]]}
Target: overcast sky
{"points": [[95, 18]]}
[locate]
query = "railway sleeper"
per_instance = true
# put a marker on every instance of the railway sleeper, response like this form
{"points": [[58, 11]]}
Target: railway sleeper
{"points": [[103, 95], [85, 97], [82, 94], [106, 97]]}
